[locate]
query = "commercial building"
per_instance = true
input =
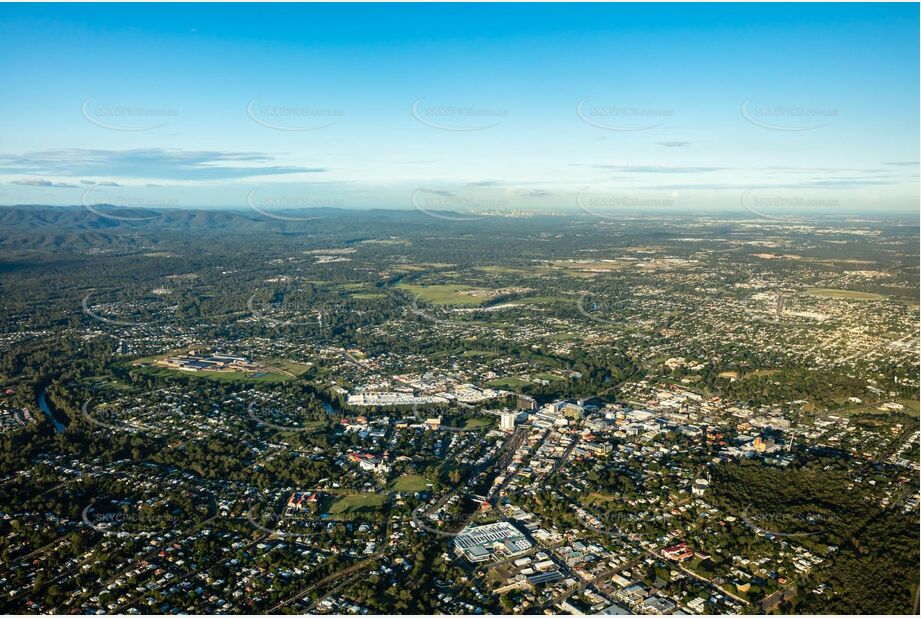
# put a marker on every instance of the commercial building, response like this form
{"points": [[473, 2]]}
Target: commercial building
{"points": [[507, 421], [481, 543], [194, 361], [526, 404]]}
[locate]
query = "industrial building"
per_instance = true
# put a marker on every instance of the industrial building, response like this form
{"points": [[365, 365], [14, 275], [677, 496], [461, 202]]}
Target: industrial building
{"points": [[481, 543]]}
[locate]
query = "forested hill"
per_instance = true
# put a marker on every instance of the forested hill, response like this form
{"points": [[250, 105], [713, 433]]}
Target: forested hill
{"points": [[101, 227], [103, 217], [95, 228]]}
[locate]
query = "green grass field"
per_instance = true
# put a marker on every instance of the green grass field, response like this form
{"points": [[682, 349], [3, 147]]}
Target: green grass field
{"points": [[357, 503], [288, 366], [479, 422], [599, 498], [547, 376], [444, 294], [409, 482]]}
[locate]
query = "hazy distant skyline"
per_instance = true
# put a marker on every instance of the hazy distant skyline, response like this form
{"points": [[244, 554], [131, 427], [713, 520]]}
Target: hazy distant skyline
{"points": [[545, 107]]}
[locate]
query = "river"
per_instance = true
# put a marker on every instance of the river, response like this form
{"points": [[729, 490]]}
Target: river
{"points": [[47, 411]]}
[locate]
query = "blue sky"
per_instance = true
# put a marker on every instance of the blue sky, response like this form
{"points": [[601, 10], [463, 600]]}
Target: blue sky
{"points": [[545, 107]]}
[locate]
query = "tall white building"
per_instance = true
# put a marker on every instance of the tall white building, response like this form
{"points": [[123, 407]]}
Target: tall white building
{"points": [[507, 421]]}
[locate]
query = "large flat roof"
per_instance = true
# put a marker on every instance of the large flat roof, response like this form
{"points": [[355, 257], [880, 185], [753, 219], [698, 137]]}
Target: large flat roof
{"points": [[502, 536]]}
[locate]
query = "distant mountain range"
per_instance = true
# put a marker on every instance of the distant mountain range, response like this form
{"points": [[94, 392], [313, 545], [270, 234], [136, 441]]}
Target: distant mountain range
{"points": [[81, 228]]}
